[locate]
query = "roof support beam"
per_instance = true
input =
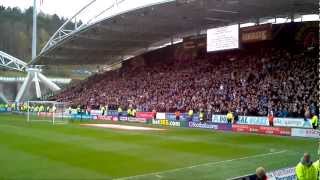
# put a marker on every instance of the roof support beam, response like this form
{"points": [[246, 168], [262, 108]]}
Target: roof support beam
{"points": [[11, 62]]}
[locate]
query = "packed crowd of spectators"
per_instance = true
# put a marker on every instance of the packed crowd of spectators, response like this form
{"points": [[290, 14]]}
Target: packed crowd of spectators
{"points": [[249, 82]]}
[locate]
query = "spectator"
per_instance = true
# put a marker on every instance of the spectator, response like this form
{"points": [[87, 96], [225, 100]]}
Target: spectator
{"points": [[129, 112], [305, 170], [154, 114], [202, 116], [261, 174], [119, 113], [236, 116], [230, 117], [314, 121], [177, 114], [317, 166], [190, 114], [133, 112], [270, 118], [254, 81]]}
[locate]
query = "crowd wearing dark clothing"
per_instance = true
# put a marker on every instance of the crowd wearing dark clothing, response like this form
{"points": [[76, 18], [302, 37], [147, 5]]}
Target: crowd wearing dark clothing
{"points": [[248, 82]]}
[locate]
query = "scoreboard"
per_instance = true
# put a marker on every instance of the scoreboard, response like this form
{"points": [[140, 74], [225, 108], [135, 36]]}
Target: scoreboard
{"points": [[223, 38]]}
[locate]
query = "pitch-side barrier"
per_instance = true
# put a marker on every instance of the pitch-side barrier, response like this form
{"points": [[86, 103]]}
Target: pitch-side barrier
{"points": [[297, 127]]}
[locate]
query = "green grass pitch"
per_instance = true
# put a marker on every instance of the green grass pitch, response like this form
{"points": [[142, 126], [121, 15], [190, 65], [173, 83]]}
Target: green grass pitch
{"points": [[70, 151]]}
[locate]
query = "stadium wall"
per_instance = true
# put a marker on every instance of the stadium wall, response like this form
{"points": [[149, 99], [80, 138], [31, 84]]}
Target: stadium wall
{"points": [[256, 125]]}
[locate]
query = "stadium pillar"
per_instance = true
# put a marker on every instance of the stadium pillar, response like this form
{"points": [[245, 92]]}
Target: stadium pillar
{"points": [[34, 75], [23, 88], [36, 81], [34, 31], [52, 86]]}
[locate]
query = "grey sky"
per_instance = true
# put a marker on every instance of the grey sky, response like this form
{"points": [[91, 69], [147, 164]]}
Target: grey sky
{"points": [[67, 8], [64, 8]]}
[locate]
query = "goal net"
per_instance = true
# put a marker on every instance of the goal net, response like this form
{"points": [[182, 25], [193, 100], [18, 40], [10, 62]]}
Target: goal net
{"points": [[46, 111]]}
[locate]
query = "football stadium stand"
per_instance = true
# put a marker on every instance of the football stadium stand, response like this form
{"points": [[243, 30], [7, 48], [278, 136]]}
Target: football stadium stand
{"points": [[236, 66], [251, 81]]}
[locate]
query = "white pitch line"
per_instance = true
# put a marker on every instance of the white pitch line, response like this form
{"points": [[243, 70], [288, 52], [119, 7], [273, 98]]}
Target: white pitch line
{"points": [[204, 164]]}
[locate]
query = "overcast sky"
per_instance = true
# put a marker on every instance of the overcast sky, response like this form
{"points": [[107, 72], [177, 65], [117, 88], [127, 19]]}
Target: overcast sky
{"points": [[64, 8], [68, 8]]}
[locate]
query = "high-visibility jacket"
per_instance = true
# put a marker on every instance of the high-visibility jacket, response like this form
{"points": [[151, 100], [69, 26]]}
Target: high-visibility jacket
{"points": [[129, 111], [314, 120], [190, 113], [133, 113], [201, 115], [229, 115], [317, 166], [304, 172]]}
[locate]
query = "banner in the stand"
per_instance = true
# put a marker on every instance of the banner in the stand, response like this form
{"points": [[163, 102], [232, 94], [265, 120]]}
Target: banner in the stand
{"points": [[253, 120], [166, 122], [209, 125], [3, 109], [96, 112], [161, 115], [219, 118], [285, 174], [121, 118], [292, 122], [172, 116], [134, 119], [115, 113], [261, 129], [301, 132], [250, 120], [203, 125], [256, 33], [145, 115], [81, 116], [263, 121], [103, 118]]}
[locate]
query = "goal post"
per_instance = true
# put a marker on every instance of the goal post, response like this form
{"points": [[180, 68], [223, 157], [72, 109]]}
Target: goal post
{"points": [[46, 111]]}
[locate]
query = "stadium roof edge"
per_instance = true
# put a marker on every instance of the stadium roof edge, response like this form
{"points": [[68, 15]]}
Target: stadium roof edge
{"points": [[138, 29]]}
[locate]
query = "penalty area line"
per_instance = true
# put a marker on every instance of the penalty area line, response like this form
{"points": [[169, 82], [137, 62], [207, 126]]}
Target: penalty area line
{"points": [[199, 165]]}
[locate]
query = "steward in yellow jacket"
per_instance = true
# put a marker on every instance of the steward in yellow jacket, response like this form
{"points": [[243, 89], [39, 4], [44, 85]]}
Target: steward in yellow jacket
{"points": [[230, 117], [305, 170], [315, 121], [317, 166]]}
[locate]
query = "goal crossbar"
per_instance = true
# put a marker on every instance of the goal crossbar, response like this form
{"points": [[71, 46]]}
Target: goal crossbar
{"points": [[50, 111]]}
